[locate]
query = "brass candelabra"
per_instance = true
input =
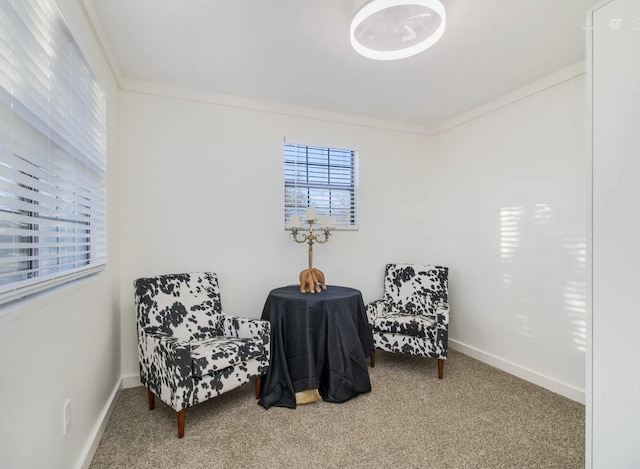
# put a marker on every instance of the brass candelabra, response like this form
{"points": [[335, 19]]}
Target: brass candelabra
{"points": [[312, 280]]}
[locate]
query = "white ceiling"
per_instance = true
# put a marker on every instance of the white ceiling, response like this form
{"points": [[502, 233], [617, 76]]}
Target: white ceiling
{"points": [[297, 52]]}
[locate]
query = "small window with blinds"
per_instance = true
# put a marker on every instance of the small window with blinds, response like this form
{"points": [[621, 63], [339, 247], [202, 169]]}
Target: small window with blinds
{"points": [[323, 178], [52, 153]]}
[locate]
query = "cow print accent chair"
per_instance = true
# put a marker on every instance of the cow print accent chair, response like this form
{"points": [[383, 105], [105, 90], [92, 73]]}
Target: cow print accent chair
{"points": [[412, 317], [189, 351]]}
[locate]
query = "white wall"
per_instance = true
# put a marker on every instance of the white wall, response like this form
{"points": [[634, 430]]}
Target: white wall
{"points": [[203, 189], [508, 214], [64, 343]]}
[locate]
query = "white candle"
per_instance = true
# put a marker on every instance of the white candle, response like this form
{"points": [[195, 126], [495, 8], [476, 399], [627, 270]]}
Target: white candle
{"points": [[311, 214]]}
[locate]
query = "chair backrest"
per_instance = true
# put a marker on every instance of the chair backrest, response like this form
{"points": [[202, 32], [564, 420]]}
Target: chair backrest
{"points": [[415, 288], [185, 306]]}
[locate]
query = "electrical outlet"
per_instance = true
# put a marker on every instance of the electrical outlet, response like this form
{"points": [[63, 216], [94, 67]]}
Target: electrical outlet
{"points": [[67, 416]]}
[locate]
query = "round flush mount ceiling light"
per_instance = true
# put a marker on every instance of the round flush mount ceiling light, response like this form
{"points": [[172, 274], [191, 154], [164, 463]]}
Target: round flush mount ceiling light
{"points": [[395, 29]]}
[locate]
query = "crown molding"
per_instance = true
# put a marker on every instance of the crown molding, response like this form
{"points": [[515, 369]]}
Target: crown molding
{"points": [[98, 31], [238, 102], [564, 74]]}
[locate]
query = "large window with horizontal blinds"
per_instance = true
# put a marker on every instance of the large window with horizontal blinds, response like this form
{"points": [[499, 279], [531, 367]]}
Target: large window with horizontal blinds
{"points": [[52, 153], [323, 178]]}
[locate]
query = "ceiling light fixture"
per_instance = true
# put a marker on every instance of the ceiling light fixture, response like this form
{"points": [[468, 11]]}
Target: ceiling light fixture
{"points": [[395, 29]]}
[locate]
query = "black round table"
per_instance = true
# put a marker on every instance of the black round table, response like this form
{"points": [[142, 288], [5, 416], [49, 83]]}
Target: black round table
{"points": [[318, 341]]}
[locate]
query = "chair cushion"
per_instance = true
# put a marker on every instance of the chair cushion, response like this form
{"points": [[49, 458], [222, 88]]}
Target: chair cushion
{"points": [[405, 324], [214, 354]]}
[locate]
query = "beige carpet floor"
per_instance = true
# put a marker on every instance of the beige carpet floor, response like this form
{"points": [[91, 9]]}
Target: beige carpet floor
{"points": [[476, 417]]}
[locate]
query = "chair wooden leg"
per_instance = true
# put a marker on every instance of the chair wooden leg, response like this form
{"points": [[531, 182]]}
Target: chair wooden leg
{"points": [[181, 418], [258, 387], [152, 400], [440, 368], [373, 358]]}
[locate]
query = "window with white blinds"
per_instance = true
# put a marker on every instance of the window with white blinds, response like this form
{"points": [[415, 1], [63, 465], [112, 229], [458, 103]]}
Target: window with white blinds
{"points": [[324, 178], [52, 153]]}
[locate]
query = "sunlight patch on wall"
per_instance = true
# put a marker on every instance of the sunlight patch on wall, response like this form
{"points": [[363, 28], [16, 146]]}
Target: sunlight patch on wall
{"points": [[510, 218], [544, 271], [575, 301], [510, 247], [575, 287]]}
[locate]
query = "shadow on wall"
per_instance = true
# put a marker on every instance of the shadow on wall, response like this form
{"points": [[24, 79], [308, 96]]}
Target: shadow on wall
{"points": [[544, 266]]}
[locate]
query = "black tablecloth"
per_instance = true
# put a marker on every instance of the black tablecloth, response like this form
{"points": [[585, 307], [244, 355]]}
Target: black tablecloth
{"points": [[318, 340]]}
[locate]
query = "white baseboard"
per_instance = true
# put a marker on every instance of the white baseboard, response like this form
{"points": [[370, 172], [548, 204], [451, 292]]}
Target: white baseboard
{"points": [[131, 381], [566, 390], [92, 445]]}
